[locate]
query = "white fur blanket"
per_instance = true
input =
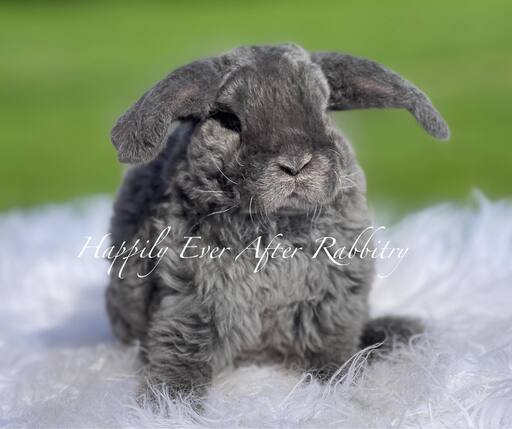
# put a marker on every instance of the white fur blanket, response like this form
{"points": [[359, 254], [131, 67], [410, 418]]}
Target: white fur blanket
{"points": [[60, 367]]}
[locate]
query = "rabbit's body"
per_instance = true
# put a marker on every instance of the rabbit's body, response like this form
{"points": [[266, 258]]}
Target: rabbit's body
{"points": [[303, 311], [288, 177]]}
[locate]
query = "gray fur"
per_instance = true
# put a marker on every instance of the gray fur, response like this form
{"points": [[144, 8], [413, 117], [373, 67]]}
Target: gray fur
{"points": [[280, 168]]}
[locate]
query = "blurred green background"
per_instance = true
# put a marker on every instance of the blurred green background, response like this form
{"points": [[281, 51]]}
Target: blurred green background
{"points": [[69, 69]]}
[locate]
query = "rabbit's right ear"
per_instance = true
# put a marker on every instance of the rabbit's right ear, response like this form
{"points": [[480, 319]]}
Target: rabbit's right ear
{"points": [[358, 83], [139, 134]]}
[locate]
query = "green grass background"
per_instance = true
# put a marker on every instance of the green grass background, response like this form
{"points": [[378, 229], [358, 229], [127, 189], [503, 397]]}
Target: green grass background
{"points": [[68, 69]]}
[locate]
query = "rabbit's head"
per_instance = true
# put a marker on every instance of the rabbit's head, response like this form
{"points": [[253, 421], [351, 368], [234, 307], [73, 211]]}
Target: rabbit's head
{"points": [[262, 126]]}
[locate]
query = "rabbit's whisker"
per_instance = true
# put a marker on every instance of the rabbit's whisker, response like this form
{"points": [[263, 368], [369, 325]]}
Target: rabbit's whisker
{"points": [[211, 214], [237, 160], [343, 179], [250, 210], [320, 212], [210, 191], [221, 172], [262, 214], [221, 211], [335, 152], [312, 217], [349, 180]]}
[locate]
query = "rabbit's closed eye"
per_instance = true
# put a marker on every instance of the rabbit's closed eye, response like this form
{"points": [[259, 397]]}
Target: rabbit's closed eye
{"points": [[227, 119]]}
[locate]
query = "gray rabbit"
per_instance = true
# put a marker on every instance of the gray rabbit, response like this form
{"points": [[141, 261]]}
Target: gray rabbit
{"points": [[254, 154]]}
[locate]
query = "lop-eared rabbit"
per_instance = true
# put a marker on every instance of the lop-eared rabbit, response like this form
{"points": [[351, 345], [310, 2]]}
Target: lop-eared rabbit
{"points": [[254, 154]]}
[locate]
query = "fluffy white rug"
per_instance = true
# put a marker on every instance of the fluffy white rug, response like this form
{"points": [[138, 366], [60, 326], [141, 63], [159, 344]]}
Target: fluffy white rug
{"points": [[60, 367]]}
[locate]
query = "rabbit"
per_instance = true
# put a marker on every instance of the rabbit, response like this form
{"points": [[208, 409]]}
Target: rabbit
{"points": [[251, 153]]}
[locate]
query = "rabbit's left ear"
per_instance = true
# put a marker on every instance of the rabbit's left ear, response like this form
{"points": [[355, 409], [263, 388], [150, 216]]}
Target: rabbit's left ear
{"points": [[139, 134], [358, 83]]}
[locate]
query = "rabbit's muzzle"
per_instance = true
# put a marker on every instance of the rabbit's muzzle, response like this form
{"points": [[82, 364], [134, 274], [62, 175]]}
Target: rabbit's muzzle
{"points": [[302, 181]]}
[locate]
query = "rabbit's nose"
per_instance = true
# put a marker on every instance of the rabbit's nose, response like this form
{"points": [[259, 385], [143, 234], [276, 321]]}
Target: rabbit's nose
{"points": [[293, 166]]}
